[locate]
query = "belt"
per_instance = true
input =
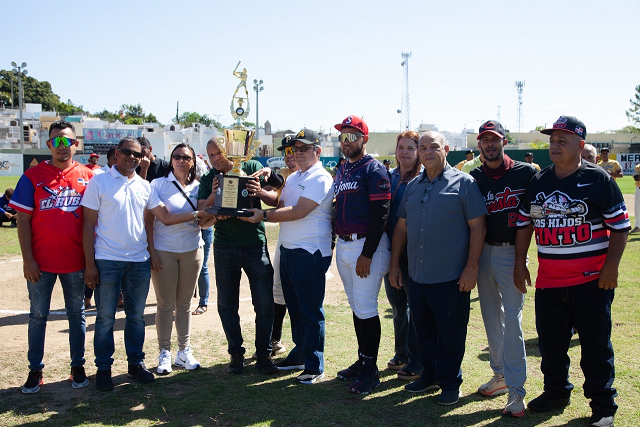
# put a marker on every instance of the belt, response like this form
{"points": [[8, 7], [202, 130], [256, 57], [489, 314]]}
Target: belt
{"points": [[498, 243], [352, 237]]}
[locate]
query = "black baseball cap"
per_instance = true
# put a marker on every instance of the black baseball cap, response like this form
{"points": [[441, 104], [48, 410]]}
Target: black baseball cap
{"points": [[287, 141], [492, 126], [307, 136], [386, 162], [468, 152], [605, 149], [529, 154], [568, 124]]}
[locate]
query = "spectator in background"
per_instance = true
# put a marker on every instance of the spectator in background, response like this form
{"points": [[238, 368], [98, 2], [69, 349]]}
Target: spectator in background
{"points": [[150, 167], [93, 162], [341, 160], [111, 160], [589, 154], [472, 164], [386, 163], [636, 178], [469, 157], [528, 158], [612, 167], [207, 236], [7, 214]]}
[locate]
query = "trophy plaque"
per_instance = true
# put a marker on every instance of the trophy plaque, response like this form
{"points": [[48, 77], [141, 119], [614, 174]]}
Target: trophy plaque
{"points": [[238, 145]]}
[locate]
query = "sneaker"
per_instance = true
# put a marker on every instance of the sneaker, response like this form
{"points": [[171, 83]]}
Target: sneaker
{"points": [[236, 365], [515, 405], [140, 373], [34, 381], [287, 365], [164, 362], [277, 348], [494, 386], [266, 365], [419, 386], [103, 380], [449, 397], [367, 380], [309, 377], [547, 402], [635, 230], [78, 377], [186, 360], [351, 372], [601, 421]]}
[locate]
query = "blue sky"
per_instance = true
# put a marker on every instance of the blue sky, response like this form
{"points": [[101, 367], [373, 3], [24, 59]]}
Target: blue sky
{"points": [[323, 60]]}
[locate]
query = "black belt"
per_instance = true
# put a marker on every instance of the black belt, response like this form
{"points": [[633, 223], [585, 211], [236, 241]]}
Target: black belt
{"points": [[498, 243], [352, 237]]}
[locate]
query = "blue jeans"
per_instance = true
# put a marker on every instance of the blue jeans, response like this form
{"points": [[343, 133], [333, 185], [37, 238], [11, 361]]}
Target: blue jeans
{"points": [[203, 280], [229, 261], [40, 302], [407, 346], [303, 284], [588, 308], [440, 314], [133, 279]]}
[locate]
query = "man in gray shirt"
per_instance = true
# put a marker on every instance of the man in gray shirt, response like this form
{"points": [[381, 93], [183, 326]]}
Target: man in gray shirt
{"points": [[441, 220]]}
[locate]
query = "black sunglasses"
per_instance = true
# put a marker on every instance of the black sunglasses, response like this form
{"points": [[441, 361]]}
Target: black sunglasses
{"points": [[177, 157], [126, 152]]}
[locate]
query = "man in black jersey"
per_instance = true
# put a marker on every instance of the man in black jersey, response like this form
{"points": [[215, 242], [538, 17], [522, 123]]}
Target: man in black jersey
{"points": [[502, 182]]}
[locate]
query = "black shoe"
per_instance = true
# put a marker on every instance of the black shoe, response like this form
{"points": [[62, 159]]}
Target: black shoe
{"points": [[367, 380], [547, 402], [140, 373], [103, 380], [266, 365], [34, 381], [601, 420], [351, 372], [419, 386], [236, 365], [78, 377]]}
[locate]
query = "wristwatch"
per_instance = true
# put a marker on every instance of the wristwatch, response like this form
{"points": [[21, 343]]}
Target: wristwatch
{"points": [[264, 216], [195, 217]]}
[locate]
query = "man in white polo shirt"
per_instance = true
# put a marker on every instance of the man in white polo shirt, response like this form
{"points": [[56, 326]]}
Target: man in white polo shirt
{"points": [[115, 248], [305, 254]]}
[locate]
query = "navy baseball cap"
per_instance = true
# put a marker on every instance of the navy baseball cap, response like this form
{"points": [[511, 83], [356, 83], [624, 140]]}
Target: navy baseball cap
{"points": [[354, 122], [307, 136], [492, 126], [568, 124], [287, 141], [468, 152]]}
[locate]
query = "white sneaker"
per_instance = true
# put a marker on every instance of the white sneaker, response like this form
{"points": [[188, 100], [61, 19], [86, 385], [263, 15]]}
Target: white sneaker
{"points": [[164, 362], [186, 360], [515, 405], [494, 386]]}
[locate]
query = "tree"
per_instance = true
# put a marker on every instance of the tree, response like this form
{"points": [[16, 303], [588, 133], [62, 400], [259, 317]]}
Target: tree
{"points": [[35, 92], [68, 108], [628, 129], [188, 118], [633, 113], [538, 144]]}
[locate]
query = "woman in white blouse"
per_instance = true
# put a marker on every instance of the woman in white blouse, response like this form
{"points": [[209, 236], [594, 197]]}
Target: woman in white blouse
{"points": [[176, 258]]}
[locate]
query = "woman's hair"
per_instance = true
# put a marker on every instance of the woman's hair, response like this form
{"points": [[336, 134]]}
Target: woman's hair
{"points": [[192, 172], [415, 170]]}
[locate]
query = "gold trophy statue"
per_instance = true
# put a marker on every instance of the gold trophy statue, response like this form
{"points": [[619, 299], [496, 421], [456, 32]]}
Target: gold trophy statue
{"points": [[238, 145]]}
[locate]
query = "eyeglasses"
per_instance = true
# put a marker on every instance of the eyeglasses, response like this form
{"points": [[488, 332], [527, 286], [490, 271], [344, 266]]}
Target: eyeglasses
{"points": [[184, 158], [349, 137], [126, 152], [67, 142], [425, 195], [290, 151]]}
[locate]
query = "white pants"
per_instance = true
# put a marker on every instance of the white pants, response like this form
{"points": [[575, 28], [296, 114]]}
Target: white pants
{"points": [[278, 296], [362, 293]]}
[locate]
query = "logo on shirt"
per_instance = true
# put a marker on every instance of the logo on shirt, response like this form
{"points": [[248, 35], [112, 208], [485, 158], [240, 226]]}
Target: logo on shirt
{"points": [[83, 182], [506, 199], [560, 220], [346, 187], [64, 198], [384, 186]]}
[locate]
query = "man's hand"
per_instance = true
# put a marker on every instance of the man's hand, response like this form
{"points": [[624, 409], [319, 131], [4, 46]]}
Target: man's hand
{"points": [[144, 163], [265, 171], [31, 270], [521, 278], [91, 277], [395, 275], [214, 185], [363, 266], [468, 278], [203, 216], [254, 187], [156, 264], [255, 218], [8, 215], [608, 276]]}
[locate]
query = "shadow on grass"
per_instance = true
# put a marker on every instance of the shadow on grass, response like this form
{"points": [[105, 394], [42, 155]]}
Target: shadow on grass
{"points": [[531, 348]]}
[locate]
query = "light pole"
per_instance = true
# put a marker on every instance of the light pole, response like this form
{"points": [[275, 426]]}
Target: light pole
{"points": [[257, 86], [20, 71]]}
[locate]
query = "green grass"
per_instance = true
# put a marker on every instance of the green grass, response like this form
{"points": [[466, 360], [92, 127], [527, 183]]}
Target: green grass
{"points": [[212, 397], [8, 182], [627, 184]]}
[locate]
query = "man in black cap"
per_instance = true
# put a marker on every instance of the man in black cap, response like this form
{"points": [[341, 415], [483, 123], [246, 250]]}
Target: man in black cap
{"points": [[612, 167], [386, 163], [528, 157], [469, 157], [581, 225]]}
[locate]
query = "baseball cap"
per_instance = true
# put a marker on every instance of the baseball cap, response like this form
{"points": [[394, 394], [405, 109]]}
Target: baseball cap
{"points": [[468, 152], [492, 126], [386, 162], [94, 155], [287, 141], [568, 124], [354, 122], [528, 154], [307, 136], [605, 149]]}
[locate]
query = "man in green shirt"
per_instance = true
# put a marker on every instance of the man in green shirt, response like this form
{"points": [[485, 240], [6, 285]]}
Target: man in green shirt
{"points": [[237, 246]]}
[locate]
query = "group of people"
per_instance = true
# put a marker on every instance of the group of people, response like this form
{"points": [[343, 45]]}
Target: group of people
{"points": [[429, 230]]}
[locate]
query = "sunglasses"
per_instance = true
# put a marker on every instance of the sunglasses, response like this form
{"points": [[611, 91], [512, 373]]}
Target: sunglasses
{"points": [[349, 137], [425, 195], [184, 158], [290, 151], [58, 140], [126, 152]]}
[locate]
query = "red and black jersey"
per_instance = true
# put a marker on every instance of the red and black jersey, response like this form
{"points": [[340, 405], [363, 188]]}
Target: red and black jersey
{"points": [[572, 218], [502, 196]]}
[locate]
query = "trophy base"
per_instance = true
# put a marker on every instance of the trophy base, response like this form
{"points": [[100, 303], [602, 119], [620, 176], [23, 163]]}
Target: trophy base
{"points": [[213, 210]]}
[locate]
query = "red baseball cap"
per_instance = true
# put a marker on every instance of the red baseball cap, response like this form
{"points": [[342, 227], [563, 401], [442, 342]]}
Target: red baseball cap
{"points": [[94, 155], [354, 122]]}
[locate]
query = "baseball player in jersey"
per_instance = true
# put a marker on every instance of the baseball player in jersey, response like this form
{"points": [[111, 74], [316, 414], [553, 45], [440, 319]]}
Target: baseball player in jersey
{"points": [[612, 167], [362, 191], [581, 225], [47, 199], [502, 182]]}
